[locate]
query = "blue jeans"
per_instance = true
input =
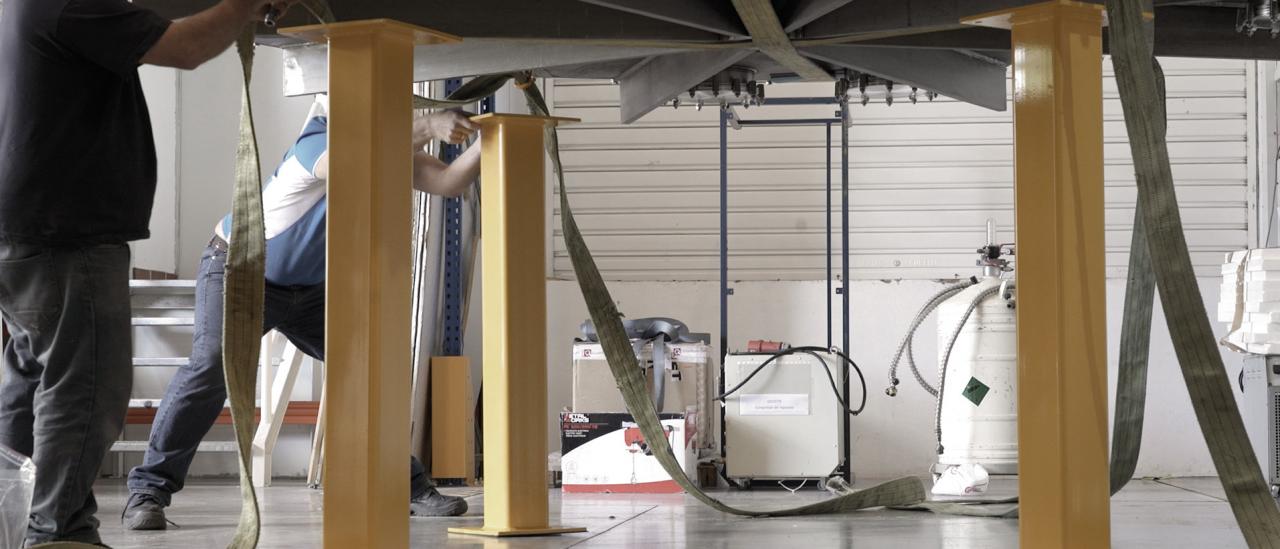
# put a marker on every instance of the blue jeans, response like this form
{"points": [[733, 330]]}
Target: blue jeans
{"points": [[198, 392], [67, 374]]}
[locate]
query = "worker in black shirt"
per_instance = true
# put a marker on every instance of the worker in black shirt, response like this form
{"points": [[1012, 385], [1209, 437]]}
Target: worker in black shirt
{"points": [[77, 181]]}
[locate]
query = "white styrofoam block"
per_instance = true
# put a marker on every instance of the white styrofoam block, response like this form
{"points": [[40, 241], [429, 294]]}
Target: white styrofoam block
{"points": [[1264, 253], [1255, 276], [1260, 328], [1256, 263], [1252, 306], [1262, 348], [1262, 318], [1255, 288]]}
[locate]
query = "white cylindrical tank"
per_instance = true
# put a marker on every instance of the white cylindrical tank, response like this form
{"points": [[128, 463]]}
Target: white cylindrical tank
{"points": [[979, 405]]}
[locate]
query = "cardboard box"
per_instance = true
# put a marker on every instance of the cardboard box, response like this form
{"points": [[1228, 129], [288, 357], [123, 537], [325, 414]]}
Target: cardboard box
{"points": [[606, 453], [688, 385]]}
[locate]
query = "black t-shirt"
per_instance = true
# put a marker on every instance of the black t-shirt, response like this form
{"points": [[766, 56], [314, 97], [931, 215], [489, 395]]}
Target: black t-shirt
{"points": [[77, 158]]}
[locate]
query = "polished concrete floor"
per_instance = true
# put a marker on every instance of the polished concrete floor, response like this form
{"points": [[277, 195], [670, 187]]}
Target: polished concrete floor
{"points": [[1164, 514]]}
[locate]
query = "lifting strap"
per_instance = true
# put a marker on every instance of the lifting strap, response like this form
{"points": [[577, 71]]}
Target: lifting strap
{"points": [[1202, 368], [244, 287]]}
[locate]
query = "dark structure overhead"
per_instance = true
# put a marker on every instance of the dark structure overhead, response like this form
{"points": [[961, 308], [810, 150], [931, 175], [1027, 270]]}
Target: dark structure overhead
{"points": [[656, 48]]}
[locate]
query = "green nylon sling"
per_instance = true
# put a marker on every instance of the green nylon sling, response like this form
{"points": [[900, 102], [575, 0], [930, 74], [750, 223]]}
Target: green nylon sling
{"points": [[1193, 340], [244, 287]]}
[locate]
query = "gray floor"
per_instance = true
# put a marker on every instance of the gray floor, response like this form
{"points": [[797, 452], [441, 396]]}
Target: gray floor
{"points": [[1164, 514]]}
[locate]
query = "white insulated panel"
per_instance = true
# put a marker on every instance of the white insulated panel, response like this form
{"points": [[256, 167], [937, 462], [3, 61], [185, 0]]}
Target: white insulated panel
{"points": [[923, 180]]}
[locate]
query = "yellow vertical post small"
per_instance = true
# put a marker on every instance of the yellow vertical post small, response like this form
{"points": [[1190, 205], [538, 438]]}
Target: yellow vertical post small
{"points": [[513, 183], [453, 446], [1062, 340], [366, 479]]}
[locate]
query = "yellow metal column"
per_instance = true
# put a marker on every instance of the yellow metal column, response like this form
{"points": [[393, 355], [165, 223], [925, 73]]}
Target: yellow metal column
{"points": [[366, 489], [453, 449], [513, 183], [1062, 361]]}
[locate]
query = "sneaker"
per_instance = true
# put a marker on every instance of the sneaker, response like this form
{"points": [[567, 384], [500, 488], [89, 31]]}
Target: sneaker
{"points": [[143, 512], [435, 504]]}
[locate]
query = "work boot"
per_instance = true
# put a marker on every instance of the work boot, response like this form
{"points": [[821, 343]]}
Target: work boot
{"points": [[143, 512], [435, 504]]}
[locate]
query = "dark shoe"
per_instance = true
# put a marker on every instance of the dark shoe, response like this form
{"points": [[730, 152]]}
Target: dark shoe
{"points": [[143, 512], [67, 545], [435, 504]]}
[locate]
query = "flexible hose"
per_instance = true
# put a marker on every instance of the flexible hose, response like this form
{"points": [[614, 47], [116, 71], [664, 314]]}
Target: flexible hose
{"points": [[908, 340], [811, 351], [946, 355]]}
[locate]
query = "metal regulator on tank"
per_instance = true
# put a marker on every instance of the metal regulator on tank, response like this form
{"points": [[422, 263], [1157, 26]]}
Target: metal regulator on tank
{"points": [[975, 412]]}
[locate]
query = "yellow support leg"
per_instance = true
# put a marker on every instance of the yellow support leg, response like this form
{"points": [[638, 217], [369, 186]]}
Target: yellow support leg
{"points": [[366, 489], [453, 448], [1062, 361], [513, 183]]}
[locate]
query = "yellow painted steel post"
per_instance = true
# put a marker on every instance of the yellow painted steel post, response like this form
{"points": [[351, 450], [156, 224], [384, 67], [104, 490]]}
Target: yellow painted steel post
{"points": [[1062, 361], [366, 489], [513, 183], [453, 448]]}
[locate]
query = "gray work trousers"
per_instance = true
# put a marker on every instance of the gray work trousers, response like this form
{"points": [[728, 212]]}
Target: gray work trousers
{"points": [[67, 374]]}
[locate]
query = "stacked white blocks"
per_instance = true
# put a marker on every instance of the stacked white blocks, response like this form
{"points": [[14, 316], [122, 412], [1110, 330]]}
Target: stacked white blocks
{"points": [[1250, 300]]}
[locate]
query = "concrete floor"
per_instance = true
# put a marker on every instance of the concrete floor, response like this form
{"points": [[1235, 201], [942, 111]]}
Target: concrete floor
{"points": [[1163, 514]]}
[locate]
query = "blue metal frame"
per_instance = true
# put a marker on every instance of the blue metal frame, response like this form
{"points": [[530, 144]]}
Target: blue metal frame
{"points": [[844, 278], [846, 468], [724, 239], [828, 197], [788, 122], [453, 262]]}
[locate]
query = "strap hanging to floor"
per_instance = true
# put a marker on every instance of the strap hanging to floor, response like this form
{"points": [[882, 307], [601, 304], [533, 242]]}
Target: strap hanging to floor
{"points": [[1193, 341], [244, 288]]}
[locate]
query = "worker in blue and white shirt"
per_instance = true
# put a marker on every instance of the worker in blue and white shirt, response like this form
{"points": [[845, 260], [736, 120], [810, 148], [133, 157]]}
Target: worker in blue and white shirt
{"points": [[294, 207]]}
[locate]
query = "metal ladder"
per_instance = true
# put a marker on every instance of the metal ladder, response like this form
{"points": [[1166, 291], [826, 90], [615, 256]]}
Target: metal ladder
{"points": [[171, 304]]}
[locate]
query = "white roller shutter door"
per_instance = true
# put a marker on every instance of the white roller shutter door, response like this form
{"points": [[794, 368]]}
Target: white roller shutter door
{"points": [[923, 180]]}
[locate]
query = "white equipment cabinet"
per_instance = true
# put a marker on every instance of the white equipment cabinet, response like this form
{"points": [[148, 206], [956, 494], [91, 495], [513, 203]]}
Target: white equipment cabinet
{"points": [[1261, 413], [784, 424]]}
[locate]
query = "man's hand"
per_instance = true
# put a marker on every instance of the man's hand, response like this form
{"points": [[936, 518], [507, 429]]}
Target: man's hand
{"points": [[191, 41], [256, 10], [452, 127]]}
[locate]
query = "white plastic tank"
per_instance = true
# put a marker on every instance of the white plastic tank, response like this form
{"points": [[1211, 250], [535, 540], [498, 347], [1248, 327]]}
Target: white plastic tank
{"points": [[979, 405]]}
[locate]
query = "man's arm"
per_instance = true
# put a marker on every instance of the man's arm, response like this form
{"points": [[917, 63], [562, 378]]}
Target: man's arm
{"points": [[430, 175], [192, 41]]}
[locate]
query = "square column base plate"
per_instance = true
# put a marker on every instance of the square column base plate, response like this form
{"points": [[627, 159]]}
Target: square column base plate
{"points": [[517, 532]]}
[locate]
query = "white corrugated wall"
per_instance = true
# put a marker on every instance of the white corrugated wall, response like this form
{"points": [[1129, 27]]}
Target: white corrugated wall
{"points": [[923, 180]]}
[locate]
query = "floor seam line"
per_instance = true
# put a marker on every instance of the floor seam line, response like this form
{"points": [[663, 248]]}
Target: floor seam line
{"points": [[1185, 489], [607, 530]]}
